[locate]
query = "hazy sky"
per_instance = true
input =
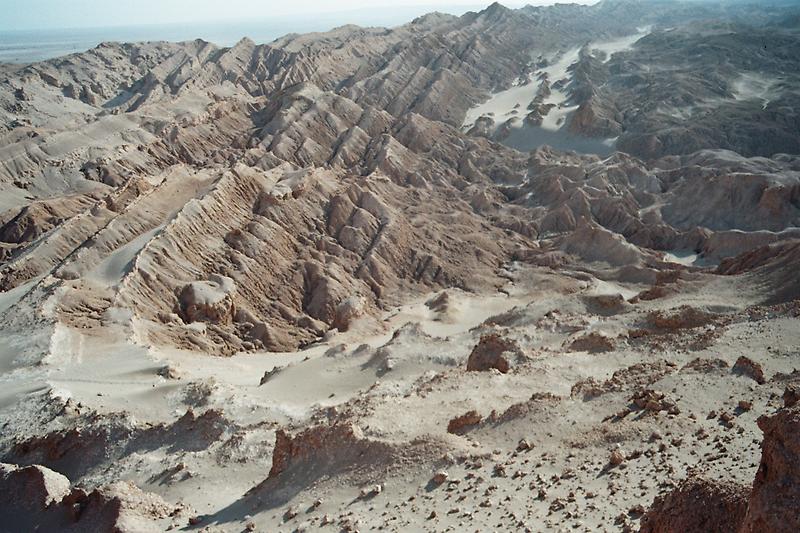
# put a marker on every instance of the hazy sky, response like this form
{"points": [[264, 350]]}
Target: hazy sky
{"points": [[43, 14]]}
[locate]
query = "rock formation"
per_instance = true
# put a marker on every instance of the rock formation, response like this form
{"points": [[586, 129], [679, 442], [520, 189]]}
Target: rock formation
{"points": [[697, 505], [35, 497], [550, 252], [703, 505], [772, 503]]}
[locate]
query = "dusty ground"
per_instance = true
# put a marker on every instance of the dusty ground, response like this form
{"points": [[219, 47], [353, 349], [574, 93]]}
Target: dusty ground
{"points": [[559, 441]]}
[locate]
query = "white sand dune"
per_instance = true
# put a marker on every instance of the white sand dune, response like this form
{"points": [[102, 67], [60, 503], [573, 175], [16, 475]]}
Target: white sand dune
{"points": [[512, 104]]}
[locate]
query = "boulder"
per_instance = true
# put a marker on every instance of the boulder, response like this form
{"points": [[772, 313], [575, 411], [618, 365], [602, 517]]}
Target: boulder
{"points": [[493, 351], [592, 342], [461, 423], [208, 301], [347, 311], [745, 366]]}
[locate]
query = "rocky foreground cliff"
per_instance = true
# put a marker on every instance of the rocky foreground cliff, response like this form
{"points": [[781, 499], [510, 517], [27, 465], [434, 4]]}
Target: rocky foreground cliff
{"points": [[341, 280]]}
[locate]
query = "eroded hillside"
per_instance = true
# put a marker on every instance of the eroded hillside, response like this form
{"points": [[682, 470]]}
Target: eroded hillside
{"points": [[341, 281]]}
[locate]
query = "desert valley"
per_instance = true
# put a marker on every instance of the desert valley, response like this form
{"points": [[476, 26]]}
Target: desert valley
{"points": [[525, 269]]}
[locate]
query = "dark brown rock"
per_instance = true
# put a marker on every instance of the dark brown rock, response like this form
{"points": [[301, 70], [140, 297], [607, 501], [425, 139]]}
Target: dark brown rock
{"points": [[493, 351], [747, 367], [774, 501], [461, 423], [593, 343], [697, 506], [791, 395]]}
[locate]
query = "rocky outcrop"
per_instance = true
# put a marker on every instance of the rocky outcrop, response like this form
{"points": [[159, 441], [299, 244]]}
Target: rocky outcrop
{"points": [[697, 505], [776, 489], [706, 366], [774, 267], [791, 396], [493, 352], [747, 367], [29, 490], [592, 342], [654, 401], [347, 311], [119, 507], [36, 498], [635, 376], [685, 317], [325, 447], [700, 505], [597, 244], [208, 301], [76, 450], [38, 218], [70, 451], [462, 423]]}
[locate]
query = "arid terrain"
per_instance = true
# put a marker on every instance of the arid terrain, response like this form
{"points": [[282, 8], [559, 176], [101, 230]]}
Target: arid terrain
{"points": [[517, 270]]}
